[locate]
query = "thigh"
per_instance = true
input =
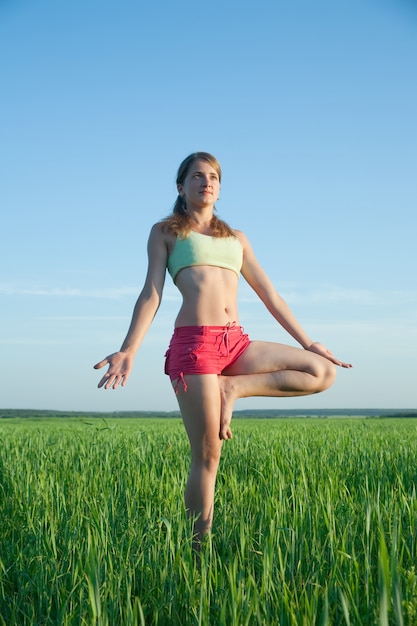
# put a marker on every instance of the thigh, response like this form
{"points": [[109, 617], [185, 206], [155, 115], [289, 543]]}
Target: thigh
{"points": [[264, 356], [200, 411]]}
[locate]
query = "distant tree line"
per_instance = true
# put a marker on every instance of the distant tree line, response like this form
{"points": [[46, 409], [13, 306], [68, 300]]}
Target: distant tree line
{"points": [[249, 413]]}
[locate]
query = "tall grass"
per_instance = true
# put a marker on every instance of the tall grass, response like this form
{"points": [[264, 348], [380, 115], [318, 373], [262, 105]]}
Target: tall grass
{"points": [[315, 523]]}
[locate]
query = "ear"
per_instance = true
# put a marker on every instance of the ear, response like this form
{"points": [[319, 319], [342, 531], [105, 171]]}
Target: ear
{"points": [[179, 189]]}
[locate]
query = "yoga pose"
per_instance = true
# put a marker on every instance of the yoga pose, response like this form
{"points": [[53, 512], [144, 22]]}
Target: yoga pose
{"points": [[210, 360]]}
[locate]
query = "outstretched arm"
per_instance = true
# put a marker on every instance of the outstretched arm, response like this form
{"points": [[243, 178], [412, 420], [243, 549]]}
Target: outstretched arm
{"points": [[257, 278], [121, 363]]}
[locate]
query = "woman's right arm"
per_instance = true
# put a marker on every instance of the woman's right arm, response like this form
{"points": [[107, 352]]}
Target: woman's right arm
{"points": [[121, 363]]}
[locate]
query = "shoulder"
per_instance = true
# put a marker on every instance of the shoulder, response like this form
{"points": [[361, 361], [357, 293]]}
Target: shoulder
{"points": [[159, 232], [161, 240], [244, 241]]}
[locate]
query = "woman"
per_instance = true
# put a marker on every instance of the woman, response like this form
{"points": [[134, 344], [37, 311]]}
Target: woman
{"points": [[210, 361]]}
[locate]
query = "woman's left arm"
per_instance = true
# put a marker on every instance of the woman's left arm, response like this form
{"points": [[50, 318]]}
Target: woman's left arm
{"points": [[257, 278]]}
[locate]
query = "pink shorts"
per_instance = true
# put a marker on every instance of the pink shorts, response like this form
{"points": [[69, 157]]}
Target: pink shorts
{"points": [[203, 350]]}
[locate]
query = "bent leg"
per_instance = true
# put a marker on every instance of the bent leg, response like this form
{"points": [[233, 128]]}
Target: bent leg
{"points": [[200, 410], [274, 370]]}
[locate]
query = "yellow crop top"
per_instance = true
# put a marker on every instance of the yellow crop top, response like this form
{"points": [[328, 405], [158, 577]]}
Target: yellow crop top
{"points": [[198, 249]]}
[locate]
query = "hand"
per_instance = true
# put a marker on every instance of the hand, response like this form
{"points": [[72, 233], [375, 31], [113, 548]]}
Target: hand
{"points": [[120, 365], [318, 348]]}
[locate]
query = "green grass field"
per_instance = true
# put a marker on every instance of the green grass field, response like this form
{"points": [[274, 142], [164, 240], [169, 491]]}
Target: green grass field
{"points": [[315, 523]]}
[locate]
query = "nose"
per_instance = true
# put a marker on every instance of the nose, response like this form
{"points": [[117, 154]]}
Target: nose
{"points": [[206, 182]]}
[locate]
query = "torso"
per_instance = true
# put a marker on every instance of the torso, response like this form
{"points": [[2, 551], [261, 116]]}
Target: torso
{"points": [[209, 293], [198, 248]]}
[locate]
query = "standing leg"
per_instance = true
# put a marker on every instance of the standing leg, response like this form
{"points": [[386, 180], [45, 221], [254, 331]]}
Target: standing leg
{"points": [[200, 409]]}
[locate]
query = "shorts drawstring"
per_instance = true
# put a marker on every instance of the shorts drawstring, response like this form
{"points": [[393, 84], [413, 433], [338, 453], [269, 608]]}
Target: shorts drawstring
{"points": [[184, 384], [225, 335]]}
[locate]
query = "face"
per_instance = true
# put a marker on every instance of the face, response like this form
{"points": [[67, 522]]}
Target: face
{"points": [[201, 186]]}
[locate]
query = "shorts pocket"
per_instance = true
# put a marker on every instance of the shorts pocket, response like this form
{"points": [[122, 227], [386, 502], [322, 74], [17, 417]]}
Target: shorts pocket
{"points": [[194, 350]]}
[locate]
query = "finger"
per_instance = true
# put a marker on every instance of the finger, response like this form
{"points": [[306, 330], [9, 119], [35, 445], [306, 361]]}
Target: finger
{"points": [[111, 382], [97, 366], [103, 381], [124, 377], [106, 381], [114, 381], [337, 361]]}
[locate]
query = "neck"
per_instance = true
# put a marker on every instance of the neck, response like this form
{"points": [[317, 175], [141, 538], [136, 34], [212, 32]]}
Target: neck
{"points": [[200, 220]]}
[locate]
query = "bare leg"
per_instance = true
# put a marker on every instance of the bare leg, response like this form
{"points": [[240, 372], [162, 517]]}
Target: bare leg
{"points": [[274, 370], [200, 410]]}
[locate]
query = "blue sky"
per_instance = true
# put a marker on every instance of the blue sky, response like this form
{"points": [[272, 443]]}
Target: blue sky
{"points": [[311, 109]]}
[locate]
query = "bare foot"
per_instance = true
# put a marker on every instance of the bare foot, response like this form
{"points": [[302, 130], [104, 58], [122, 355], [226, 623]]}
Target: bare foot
{"points": [[227, 404]]}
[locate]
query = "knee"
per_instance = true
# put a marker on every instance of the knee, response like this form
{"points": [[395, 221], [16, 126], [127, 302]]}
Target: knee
{"points": [[326, 375], [207, 466], [211, 459], [208, 456]]}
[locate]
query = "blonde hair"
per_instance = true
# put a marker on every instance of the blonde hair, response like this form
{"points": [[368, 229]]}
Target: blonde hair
{"points": [[178, 222]]}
